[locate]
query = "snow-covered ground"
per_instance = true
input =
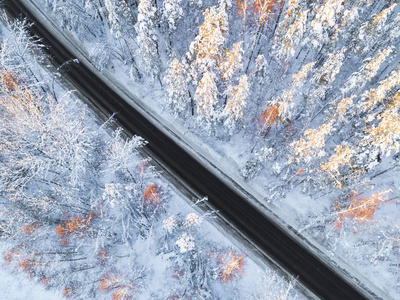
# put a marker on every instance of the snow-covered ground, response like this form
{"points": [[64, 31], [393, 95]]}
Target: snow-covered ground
{"points": [[16, 286], [293, 189], [69, 225]]}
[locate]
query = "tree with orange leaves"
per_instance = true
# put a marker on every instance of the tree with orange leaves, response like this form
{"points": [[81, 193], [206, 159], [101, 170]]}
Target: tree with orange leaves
{"points": [[269, 117], [121, 287], [359, 209], [76, 226], [262, 10], [242, 8], [151, 196], [230, 265]]}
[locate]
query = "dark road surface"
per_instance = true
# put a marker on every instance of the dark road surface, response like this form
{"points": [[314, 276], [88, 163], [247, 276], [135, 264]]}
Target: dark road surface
{"points": [[254, 225]]}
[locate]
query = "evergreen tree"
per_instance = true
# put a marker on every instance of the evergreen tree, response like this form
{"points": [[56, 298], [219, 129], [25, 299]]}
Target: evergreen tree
{"points": [[177, 89], [236, 103], [206, 97], [147, 37]]}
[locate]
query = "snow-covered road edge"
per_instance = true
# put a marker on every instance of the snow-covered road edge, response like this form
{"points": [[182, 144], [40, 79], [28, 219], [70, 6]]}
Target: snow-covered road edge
{"points": [[191, 144]]}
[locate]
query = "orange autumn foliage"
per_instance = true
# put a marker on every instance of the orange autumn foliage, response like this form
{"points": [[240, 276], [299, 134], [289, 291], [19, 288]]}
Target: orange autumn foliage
{"points": [[299, 172], [263, 9], [29, 265], [109, 281], [260, 10], [241, 7], [45, 281], [269, 116], [28, 229], [151, 196], [74, 226], [67, 292], [9, 80], [231, 265], [112, 281], [360, 209], [9, 256], [103, 255], [122, 293]]}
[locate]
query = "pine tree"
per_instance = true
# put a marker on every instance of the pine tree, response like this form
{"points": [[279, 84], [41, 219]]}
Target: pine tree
{"points": [[207, 49], [385, 136], [172, 12], [367, 71], [298, 78], [232, 62], [375, 96], [262, 11], [326, 17], [290, 30], [325, 75], [343, 105], [312, 144], [285, 101], [236, 103], [341, 157], [177, 89], [293, 35], [260, 72], [207, 97], [370, 31], [147, 37]]}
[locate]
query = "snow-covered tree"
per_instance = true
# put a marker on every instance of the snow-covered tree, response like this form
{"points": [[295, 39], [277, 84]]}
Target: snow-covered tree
{"points": [[115, 25], [230, 265], [359, 208], [172, 12], [242, 9], [341, 157], [386, 135], [260, 72], [370, 31], [206, 97], [177, 89], [236, 102], [292, 36], [375, 96], [298, 78], [368, 70], [207, 49], [343, 106], [312, 144], [326, 74], [232, 62], [147, 39], [326, 17], [262, 12]]}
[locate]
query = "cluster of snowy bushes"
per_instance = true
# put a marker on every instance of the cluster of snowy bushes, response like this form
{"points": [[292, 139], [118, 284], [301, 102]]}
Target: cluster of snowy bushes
{"points": [[302, 95], [81, 211]]}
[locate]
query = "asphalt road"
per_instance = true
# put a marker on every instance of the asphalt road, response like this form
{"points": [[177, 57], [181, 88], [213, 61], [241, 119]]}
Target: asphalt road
{"points": [[253, 224]]}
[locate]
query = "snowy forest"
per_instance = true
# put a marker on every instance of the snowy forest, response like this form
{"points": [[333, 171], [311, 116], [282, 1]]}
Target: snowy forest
{"points": [[84, 214], [298, 98]]}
